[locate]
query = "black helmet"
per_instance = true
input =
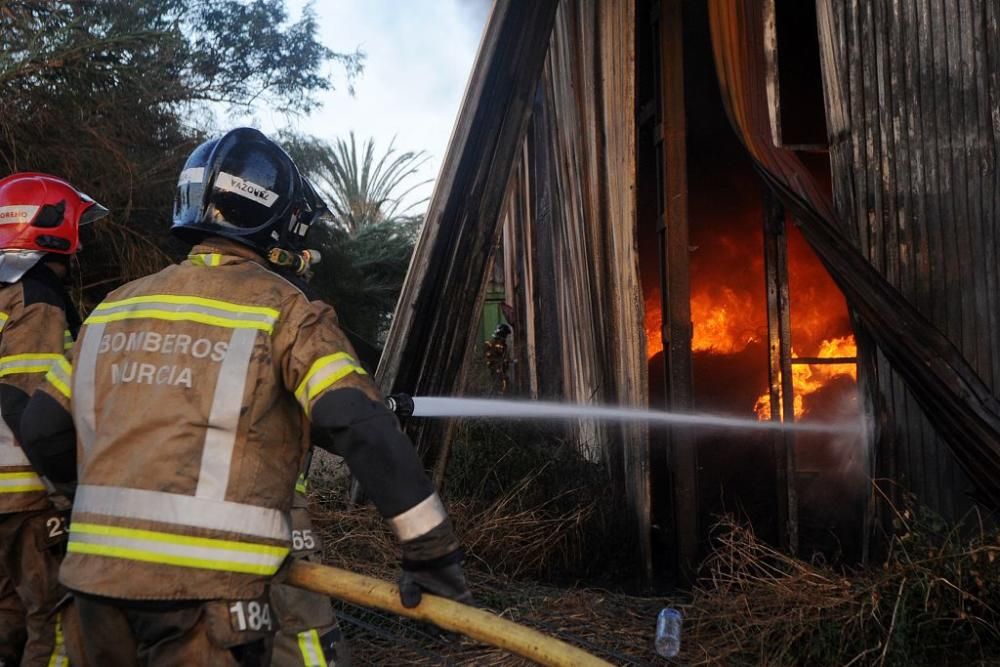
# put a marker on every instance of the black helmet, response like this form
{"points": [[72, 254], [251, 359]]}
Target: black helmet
{"points": [[243, 187], [315, 209]]}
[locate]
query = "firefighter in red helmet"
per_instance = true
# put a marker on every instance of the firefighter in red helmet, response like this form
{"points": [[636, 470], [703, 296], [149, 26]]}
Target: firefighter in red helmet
{"points": [[40, 217]]}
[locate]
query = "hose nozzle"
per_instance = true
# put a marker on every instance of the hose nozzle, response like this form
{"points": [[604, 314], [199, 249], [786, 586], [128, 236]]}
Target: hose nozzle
{"points": [[401, 404]]}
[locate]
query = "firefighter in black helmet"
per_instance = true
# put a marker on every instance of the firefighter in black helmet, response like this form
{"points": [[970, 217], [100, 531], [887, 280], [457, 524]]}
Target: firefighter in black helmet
{"points": [[196, 395]]}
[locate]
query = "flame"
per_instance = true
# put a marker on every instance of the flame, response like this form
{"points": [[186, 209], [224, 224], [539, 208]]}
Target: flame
{"points": [[724, 321], [809, 379], [729, 310], [653, 325]]}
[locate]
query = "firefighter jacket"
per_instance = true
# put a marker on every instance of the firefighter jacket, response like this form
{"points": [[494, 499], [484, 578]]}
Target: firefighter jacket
{"points": [[191, 391], [33, 336]]}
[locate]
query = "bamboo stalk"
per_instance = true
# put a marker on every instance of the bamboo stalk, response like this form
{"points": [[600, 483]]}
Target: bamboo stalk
{"points": [[475, 623]]}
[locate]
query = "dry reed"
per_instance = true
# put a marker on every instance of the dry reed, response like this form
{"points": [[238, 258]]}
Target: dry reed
{"points": [[934, 600]]}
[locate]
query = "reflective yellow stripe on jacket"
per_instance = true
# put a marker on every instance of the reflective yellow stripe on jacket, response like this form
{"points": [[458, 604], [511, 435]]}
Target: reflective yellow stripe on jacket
{"points": [[60, 376], [67, 340], [324, 372], [172, 307], [58, 658], [151, 546], [3, 320], [207, 259], [20, 482], [312, 649], [27, 363], [183, 510]]}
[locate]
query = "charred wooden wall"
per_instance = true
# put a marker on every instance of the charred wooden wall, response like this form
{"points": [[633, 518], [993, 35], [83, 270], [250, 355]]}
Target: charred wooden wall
{"points": [[912, 92], [571, 262]]}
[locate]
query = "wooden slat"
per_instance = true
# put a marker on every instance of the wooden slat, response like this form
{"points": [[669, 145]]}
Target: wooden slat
{"points": [[626, 354], [989, 85], [676, 288], [779, 368]]}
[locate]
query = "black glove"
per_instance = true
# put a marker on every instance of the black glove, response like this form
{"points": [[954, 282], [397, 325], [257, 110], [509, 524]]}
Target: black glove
{"points": [[440, 576]]}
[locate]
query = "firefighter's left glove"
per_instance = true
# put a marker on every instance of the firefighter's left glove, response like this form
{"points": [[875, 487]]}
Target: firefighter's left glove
{"points": [[433, 563], [439, 576]]}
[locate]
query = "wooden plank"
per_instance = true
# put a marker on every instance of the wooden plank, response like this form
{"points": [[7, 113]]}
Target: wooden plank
{"points": [[980, 269], [905, 222], [549, 288], [885, 203], [954, 163], [873, 412], [854, 85], [924, 290], [617, 177], [773, 237], [780, 336], [432, 325], [871, 204], [676, 289], [988, 87]]}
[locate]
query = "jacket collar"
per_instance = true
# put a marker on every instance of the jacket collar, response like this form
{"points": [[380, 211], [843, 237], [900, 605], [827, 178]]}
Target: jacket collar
{"points": [[216, 251]]}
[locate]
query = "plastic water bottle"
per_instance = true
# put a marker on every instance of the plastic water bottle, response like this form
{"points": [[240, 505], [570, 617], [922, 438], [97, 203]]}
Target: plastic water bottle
{"points": [[668, 632]]}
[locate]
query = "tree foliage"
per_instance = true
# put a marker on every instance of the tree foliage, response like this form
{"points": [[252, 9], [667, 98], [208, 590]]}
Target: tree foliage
{"points": [[369, 238], [362, 187], [113, 94]]}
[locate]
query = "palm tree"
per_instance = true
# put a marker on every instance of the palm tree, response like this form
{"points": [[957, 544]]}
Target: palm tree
{"points": [[360, 188], [368, 240]]}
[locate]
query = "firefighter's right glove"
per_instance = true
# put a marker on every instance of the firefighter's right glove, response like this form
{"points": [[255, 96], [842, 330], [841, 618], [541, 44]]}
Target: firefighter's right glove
{"points": [[439, 576]]}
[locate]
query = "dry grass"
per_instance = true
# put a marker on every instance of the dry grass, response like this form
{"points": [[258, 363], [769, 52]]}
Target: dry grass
{"points": [[501, 538], [934, 601], [504, 546]]}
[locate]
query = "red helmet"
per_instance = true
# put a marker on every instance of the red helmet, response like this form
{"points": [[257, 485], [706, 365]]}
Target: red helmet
{"points": [[43, 213]]}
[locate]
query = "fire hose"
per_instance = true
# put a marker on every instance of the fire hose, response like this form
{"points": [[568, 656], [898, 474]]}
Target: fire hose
{"points": [[474, 623]]}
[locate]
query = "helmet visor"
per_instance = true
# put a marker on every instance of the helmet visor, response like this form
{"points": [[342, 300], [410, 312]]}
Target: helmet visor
{"points": [[93, 214]]}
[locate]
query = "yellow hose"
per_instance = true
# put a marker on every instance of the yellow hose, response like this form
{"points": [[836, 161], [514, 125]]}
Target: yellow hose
{"points": [[446, 614]]}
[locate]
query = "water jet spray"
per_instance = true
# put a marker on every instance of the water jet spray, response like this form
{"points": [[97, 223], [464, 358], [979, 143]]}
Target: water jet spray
{"points": [[488, 408]]}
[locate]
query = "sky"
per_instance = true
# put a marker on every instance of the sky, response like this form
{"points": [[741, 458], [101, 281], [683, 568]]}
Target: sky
{"points": [[419, 55]]}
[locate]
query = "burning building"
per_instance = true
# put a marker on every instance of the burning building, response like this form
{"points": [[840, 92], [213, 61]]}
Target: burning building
{"points": [[773, 209]]}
